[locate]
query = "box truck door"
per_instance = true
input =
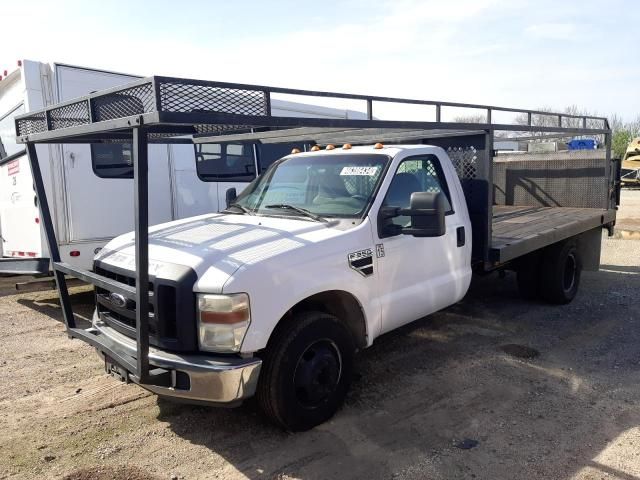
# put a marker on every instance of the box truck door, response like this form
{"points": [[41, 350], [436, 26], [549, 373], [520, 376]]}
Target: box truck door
{"points": [[99, 189], [19, 216]]}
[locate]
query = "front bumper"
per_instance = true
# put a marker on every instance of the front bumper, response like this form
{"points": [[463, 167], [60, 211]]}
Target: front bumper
{"points": [[211, 380]]}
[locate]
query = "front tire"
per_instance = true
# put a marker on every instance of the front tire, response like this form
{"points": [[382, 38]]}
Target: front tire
{"points": [[306, 372]]}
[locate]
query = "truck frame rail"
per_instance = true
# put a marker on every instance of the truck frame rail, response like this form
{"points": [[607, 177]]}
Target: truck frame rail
{"points": [[175, 110]]}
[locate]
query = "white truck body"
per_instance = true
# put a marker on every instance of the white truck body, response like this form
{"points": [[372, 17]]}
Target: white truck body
{"points": [[88, 209]]}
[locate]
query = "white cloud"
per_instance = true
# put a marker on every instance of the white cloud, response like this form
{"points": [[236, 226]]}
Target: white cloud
{"points": [[553, 31]]}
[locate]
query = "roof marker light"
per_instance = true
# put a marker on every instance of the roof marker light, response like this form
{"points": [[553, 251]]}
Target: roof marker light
{"points": [[330, 147], [315, 148], [74, 253], [378, 146], [346, 146], [295, 150]]}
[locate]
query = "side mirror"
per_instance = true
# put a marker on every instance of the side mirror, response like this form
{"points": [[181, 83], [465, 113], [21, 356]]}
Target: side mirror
{"points": [[427, 213], [230, 196]]}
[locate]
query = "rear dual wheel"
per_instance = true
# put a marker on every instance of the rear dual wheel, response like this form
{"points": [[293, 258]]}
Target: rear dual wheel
{"points": [[552, 275]]}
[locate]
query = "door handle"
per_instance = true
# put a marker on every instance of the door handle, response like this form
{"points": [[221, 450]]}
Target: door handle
{"points": [[460, 236]]}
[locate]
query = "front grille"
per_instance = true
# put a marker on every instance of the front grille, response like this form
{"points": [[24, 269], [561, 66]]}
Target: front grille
{"points": [[170, 299]]}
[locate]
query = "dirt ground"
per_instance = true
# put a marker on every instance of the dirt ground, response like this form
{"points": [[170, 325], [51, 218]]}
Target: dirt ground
{"points": [[446, 397]]}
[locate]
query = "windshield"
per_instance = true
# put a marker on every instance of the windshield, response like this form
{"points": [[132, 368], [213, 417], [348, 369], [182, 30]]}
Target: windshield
{"points": [[325, 185]]}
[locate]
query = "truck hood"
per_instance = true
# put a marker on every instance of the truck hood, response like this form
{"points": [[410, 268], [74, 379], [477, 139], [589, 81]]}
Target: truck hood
{"points": [[216, 245]]}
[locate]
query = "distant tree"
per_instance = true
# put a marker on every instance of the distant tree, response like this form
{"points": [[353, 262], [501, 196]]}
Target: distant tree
{"points": [[619, 142], [474, 118], [623, 133]]}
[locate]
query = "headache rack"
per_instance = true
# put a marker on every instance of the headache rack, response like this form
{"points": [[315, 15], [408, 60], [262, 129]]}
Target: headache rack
{"points": [[174, 110]]}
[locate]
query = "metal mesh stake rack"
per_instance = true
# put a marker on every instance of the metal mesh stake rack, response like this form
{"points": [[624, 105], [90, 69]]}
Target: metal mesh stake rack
{"points": [[174, 110]]}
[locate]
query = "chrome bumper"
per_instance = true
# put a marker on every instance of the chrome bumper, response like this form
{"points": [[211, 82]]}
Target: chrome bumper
{"points": [[213, 380]]}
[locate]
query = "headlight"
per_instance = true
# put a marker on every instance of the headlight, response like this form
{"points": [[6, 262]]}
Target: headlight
{"points": [[222, 321]]}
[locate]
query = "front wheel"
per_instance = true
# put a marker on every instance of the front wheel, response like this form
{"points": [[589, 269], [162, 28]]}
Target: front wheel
{"points": [[306, 371]]}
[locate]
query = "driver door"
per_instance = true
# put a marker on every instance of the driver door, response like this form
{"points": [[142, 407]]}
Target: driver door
{"points": [[419, 276]]}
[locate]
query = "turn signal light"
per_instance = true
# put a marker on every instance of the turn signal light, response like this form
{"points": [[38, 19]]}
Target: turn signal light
{"points": [[315, 148], [378, 146], [346, 146], [330, 147]]}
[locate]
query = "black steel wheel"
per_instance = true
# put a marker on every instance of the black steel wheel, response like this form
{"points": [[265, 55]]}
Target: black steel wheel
{"points": [[560, 273], [306, 371]]}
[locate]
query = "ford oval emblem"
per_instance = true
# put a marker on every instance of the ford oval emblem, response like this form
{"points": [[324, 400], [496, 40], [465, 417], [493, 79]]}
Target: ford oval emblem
{"points": [[118, 300]]}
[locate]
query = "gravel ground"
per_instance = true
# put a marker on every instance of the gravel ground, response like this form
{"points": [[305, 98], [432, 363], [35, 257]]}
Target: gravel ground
{"points": [[445, 397]]}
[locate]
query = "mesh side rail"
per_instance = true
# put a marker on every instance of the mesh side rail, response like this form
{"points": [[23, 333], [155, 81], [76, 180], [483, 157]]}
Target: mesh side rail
{"points": [[112, 105], [140, 99], [175, 95], [562, 179]]}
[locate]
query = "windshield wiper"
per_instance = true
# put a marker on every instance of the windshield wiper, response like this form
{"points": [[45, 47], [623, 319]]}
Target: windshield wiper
{"points": [[303, 211], [240, 207]]}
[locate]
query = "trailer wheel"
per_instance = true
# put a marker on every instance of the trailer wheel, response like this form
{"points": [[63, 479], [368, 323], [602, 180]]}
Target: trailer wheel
{"points": [[306, 371], [528, 277], [560, 273]]}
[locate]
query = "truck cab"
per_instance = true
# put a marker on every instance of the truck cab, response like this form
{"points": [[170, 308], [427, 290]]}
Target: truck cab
{"points": [[317, 257]]}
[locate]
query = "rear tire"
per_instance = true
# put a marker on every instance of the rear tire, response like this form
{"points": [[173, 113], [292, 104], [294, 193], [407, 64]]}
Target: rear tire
{"points": [[306, 371], [528, 277], [560, 273]]}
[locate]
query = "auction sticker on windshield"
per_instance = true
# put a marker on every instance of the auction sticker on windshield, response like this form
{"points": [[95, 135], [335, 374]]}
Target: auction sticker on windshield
{"points": [[366, 171]]}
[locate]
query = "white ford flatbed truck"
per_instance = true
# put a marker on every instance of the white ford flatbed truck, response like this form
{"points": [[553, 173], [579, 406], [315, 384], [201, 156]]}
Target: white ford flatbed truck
{"points": [[323, 252], [318, 257]]}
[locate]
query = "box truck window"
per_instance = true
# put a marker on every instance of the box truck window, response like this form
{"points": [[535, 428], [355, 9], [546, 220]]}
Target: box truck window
{"points": [[225, 162], [112, 160], [8, 145]]}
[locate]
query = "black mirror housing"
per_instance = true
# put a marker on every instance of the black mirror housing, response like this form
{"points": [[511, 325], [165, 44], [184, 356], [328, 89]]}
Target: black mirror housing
{"points": [[427, 214], [230, 196]]}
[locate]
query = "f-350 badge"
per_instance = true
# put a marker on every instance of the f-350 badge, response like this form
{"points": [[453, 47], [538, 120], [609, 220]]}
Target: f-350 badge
{"points": [[362, 261]]}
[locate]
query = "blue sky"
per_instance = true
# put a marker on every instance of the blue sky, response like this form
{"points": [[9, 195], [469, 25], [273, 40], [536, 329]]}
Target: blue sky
{"points": [[520, 53]]}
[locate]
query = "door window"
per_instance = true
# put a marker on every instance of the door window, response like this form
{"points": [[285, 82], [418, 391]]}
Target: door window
{"points": [[112, 160], [415, 174]]}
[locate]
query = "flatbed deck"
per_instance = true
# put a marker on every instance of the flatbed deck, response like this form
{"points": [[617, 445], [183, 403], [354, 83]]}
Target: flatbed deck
{"points": [[518, 230]]}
